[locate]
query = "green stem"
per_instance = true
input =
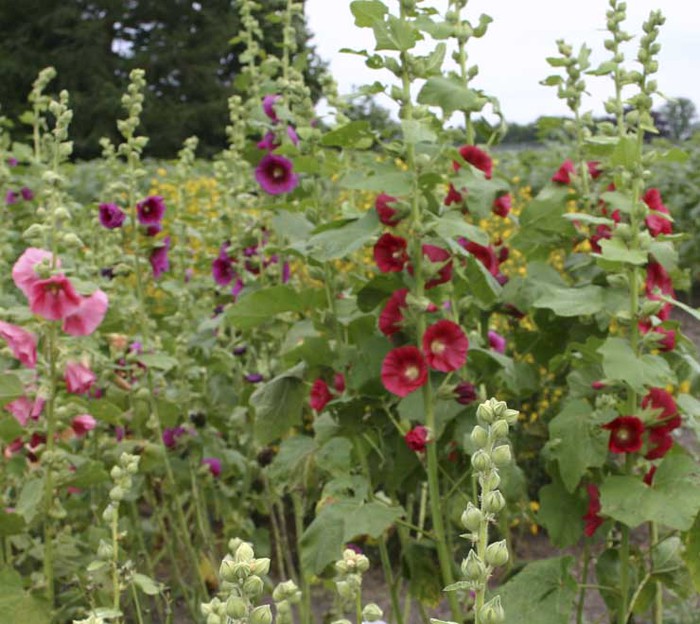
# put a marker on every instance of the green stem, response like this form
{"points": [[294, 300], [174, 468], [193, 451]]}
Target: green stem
{"points": [[137, 604], [389, 576], [582, 586], [305, 606], [115, 558], [49, 452], [624, 558], [658, 612]]}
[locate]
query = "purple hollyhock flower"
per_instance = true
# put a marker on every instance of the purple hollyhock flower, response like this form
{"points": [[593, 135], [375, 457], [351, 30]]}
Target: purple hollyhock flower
{"points": [[154, 230], [240, 350], [111, 216], [275, 175], [251, 251], [159, 258], [254, 378], [222, 270], [268, 105], [107, 273], [218, 310], [171, 435], [214, 465], [268, 142], [292, 134], [237, 287], [11, 197], [27, 193], [466, 393], [150, 211], [12, 161], [136, 347], [497, 342], [286, 272]]}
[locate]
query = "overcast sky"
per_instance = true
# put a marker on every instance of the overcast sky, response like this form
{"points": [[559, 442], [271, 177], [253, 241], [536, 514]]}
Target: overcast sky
{"points": [[511, 57]]}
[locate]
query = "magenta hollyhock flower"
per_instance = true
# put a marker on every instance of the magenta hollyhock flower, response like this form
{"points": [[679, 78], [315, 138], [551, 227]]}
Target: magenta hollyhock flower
{"points": [[390, 253], [54, 298], [660, 399], [171, 435], [466, 393], [292, 135], [24, 273], [214, 465], [391, 317], [21, 342], [592, 518], [222, 270], [625, 434], [445, 346], [476, 157], [25, 409], [275, 175], [111, 216], [150, 211], [238, 287], [26, 193], [241, 350], [268, 142], [268, 105], [12, 161], [286, 272], [417, 438], [159, 258], [79, 378], [11, 197], [339, 383], [387, 215], [497, 342], [502, 205], [598, 385], [659, 442], [404, 370], [154, 230], [320, 395], [563, 174], [88, 316], [254, 378], [82, 424]]}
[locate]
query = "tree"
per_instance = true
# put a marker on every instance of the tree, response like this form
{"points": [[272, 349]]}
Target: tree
{"points": [[679, 116]]}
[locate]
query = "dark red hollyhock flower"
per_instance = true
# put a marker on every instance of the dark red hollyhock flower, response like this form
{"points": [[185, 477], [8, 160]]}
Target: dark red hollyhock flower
{"points": [[563, 174], [466, 393], [150, 211], [659, 443], [417, 438], [453, 196], [658, 398], [658, 278], [485, 255], [654, 221], [320, 395], [593, 169], [436, 255], [390, 253], [404, 370], [391, 316], [387, 215], [666, 337], [592, 519], [649, 476], [625, 434], [502, 205], [602, 232], [445, 346], [476, 157], [339, 383]]}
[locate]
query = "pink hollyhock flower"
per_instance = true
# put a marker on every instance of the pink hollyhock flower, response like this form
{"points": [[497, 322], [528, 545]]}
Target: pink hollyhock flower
{"points": [[88, 316], [497, 342], [82, 424], [78, 378], [11, 197], [21, 342], [171, 435], [320, 395], [485, 255], [657, 224], [339, 383], [390, 253], [159, 258], [151, 210], [292, 135], [391, 317], [404, 370], [563, 174], [268, 142], [387, 215], [275, 175], [222, 270], [625, 434], [238, 287], [660, 399], [466, 393], [660, 442], [598, 385], [286, 272], [445, 346], [476, 157], [268, 105], [23, 272], [417, 438], [24, 409], [54, 298], [592, 518], [111, 216], [436, 255], [26, 193], [502, 205], [214, 464]]}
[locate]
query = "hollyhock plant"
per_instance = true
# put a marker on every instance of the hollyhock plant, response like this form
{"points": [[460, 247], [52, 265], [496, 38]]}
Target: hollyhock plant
{"points": [[24, 270], [445, 346], [82, 424], [275, 175], [159, 258], [151, 210], [214, 465], [88, 316], [391, 317], [592, 518], [502, 205], [320, 395], [417, 438], [54, 298], [222, 269], [26, 193], [660, 399], [563, 174], [268, 142], [390, 253], [655, 220], [21, 342], [497, 342], [268, 105], [626, 434], [171, 435], [387, 215], [111, 216], [476, 157], [404, 370], [79, 378], [25, 409], [437, 255]]}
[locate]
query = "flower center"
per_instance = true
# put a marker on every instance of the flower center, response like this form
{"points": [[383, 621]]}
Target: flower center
{"points": [[623, 435], [411, 373], [278, 173], [437, 347]]}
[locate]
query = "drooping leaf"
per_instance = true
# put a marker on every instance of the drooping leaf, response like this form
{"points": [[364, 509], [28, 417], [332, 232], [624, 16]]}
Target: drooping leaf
{"points": [[278, 405], [259, 306], [561, 514]]}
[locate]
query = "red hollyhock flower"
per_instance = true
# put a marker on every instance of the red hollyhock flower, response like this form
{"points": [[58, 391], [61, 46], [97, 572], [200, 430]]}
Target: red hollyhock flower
{"points": [[387, 214], [417, 438], [391, 317], [502, 205], [445, 346], [592, 519], [339, 383], [666, 337], [659, 443], [466, 393], [436, 255], [656, 223], [649, 476], [477, 158], [485, 255], [320, 395], [390, 253], [563, 174], [593, 169], [658, 278], [658, 398], [602, 232], [453, 196], [625, 434], [404, 370]]}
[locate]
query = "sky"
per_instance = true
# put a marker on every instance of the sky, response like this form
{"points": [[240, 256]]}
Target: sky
{"points": [[511, 57]]}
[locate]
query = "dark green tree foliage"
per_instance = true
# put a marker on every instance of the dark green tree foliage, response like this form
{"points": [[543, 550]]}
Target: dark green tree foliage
{"points": [[183, 45]]}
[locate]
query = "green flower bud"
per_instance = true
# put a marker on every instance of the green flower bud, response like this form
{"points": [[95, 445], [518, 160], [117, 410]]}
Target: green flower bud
{"points": [[473, 568], [501, 455], [494, 502], [236, 607], [485, 412], [481, 461], [492, 612], [253, 586], [472, 518], [497, 554], [261, 615], [499, 429], [285, 591], [260, 566], [227, 569], [490, 480], [479, 437], [244, 553], [344, 590], [362, 564], [105, 551], [372, 613], [117, 494]]}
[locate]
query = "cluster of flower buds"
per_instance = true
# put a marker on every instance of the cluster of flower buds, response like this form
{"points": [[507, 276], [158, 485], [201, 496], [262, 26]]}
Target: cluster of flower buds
{"points": [[285, 595], [349, 585], [242, 585], [91, 619], [122, 475]]}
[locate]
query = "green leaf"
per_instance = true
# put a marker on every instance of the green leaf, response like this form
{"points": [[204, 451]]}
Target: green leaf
{"points": [[18, 605], [615, 250], [571, 301], [105, 411], [626, 153], [691, 554], [379, 181], [10, 429], [561, 514], [11, 523], [89, 473], [30, 499], [259, 306], [395, 34], [341, 241], [543, 592], [577, 442], [289, 462], [377, 290], [278, 405], [621, 363], [481, 283], [417, 131], [11, 388], [158, 361], [695, 313], [452, 224], [368, 12], [146, 584], [356, 134], [450, 94]]}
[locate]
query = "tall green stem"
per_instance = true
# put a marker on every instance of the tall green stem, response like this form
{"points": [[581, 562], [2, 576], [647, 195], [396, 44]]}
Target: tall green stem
{"points": [[584, 579], [305, 606], [49, 455]]}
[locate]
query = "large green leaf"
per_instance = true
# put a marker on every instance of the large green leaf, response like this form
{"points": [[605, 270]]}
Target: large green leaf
{"points": [[356, 134], [289, 462], [341, 241], [259, 306], [11, 388], [621, 363], [691, 554], [11, 523], [30, 498], [571, 301], [450, 94], [615, 250], [368, 12], [452, 224], [395, 34], [561, 514], [18, 605]]}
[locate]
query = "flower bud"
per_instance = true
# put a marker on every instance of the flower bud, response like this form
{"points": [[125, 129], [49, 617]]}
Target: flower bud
{"points": [[499, 429], [284, 591], [244, 553], [260, 566], [253, 586], [481, 461], [501, 455], [490, 480], [236, 607], [344, 590], [497, 554], [492, 612], [105, 551], [494, 502], [479, 437], [485, 412], [472, 518], [372, 613], [261, 615], [473, 568], [227, 570]]}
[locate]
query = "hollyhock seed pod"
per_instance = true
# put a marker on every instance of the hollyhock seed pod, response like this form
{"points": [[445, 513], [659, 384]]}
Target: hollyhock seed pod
{"points": [[479, 437], [472, 518], [491, 480], [502, 455], [493, 502], [497, 554], [481, 461]]}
